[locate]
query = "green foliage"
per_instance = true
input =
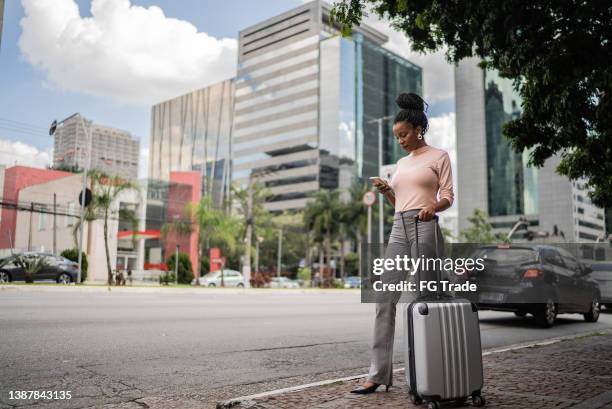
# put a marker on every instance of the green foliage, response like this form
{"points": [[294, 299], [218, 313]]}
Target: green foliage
{"points": [[351, 264], [557, 53], [31, 264], [73, 255], [480, 230], [167, 278], [105, 191], [304, 274], [185, 270]]}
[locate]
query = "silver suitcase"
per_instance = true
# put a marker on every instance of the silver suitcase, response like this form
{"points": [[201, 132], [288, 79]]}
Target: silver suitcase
{"points": [[442, 349]]}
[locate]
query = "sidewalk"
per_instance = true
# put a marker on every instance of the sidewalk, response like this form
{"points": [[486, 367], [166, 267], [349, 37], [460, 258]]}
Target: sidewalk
{"points": [[573, 373]]}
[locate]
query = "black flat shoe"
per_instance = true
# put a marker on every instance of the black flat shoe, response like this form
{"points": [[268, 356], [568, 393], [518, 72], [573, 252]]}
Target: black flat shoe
{"points": [[370, 389]]}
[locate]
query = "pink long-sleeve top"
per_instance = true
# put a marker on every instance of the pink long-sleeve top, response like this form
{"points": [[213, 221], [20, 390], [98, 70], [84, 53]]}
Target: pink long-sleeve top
{"points": [[422, 178]]}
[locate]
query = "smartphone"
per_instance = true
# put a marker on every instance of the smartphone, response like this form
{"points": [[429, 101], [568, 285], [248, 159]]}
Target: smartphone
{"points": [[385, 181]]}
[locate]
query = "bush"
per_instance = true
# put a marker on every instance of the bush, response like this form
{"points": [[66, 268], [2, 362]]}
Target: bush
{"points": [[167, 277], [73, 255], [304, 274], [185, 270]]}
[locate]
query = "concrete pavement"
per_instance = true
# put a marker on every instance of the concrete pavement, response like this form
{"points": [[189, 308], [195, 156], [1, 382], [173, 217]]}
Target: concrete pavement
{"points": [[198, 347], [570, 373]]}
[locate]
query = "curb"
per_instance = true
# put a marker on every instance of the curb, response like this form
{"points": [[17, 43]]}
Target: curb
{"points": [[247, 400], [157, 290]]}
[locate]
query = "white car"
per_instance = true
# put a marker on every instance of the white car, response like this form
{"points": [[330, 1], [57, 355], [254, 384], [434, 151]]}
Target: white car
{"points": [[283, 282], [231, 278]]}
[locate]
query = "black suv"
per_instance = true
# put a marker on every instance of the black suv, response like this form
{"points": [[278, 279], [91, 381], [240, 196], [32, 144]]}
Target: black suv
{"points": [[58, 269], [541, 280]]}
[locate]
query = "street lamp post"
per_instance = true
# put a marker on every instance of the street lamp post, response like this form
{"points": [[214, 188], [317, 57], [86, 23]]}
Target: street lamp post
{"points": [[176, 258], [381, 225], [87, 131]]}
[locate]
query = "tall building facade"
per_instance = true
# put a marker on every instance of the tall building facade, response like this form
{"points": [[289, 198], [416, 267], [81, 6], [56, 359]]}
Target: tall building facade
{"points": [[494, 178], [304, 103], [113, 151], [193, 133]]}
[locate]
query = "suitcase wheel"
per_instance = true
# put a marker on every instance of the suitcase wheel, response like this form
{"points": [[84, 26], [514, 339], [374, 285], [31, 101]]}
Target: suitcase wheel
{"points": [[478, 400], [433, 404], [416, 400]]}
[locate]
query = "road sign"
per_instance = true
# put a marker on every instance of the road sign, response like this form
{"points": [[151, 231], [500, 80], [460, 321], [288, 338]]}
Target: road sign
{"points": [[87, 197], [369, 198]]}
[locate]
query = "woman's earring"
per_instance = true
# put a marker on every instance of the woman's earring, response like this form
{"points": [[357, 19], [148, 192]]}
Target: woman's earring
{"points": [[420, 136]]}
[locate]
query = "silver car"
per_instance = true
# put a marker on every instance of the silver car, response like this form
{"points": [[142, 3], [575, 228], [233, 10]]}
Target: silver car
{"points": [[283, 282], [231, 278]]}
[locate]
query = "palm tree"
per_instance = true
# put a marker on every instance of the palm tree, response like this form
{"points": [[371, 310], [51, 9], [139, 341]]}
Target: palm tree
{"points": [[105, 192], [215, 227], [354, 216], [322, 217]]}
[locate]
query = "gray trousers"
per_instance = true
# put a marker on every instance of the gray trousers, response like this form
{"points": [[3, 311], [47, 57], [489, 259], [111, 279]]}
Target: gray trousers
{"points": [[403, 239]]}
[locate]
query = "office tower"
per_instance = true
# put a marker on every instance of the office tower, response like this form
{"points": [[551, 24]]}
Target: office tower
{"points": [[192, 133], [492, 177], [113, 151], [304, 103]]}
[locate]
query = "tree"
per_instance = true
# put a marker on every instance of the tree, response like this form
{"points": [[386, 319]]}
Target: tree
{"points": [[73, 255], [185, 270], [215, 227], [557, 53], [480, 230], [105, 192], [354, 217], [322, 217]]}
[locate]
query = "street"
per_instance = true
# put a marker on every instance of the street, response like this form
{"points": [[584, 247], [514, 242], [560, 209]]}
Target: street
{"points": [[200, 347]]}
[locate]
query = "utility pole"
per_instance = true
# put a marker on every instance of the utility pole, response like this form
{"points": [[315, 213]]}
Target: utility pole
{"points": [[246, 268], [88, 133], [30, 229], [176, 261], [54, 224], [381, 199], [280, 252]]}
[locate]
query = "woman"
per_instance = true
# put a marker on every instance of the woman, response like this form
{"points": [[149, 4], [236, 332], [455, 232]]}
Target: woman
{"points": [[422, 186]]}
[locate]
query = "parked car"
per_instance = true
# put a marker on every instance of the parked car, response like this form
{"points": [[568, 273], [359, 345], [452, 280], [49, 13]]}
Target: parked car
{"points": [[231, 278], [58, 269], [602, 273], [541, 280], [352, 282], [283, 282]]}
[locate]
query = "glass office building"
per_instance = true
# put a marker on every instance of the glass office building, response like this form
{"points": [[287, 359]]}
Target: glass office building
{"points": [[305, 98], [192, 132], [494, 178]]}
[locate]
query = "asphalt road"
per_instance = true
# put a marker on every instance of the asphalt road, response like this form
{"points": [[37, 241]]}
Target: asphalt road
{"points": [[199, 348]]}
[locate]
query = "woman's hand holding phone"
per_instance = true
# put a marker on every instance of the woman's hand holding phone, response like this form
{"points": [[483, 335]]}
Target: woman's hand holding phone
{"points": [[381, 184]]}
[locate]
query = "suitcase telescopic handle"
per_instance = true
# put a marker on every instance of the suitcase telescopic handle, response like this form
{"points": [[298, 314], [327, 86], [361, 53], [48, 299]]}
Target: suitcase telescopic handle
{"points": [[416, 239]]}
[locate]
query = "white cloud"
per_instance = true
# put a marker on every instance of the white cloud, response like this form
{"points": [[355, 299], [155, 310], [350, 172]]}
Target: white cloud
{"points": [[126, 52], [19, 153]]}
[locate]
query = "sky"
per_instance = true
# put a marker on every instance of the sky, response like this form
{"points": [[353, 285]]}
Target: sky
{"points": [[111, 60]]}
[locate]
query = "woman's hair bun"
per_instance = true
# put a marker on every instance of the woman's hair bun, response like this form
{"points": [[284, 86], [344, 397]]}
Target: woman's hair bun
{"points": [[410, 101]]}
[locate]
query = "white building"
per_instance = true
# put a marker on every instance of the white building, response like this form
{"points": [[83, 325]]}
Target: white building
{"points": [[114, 151]]}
